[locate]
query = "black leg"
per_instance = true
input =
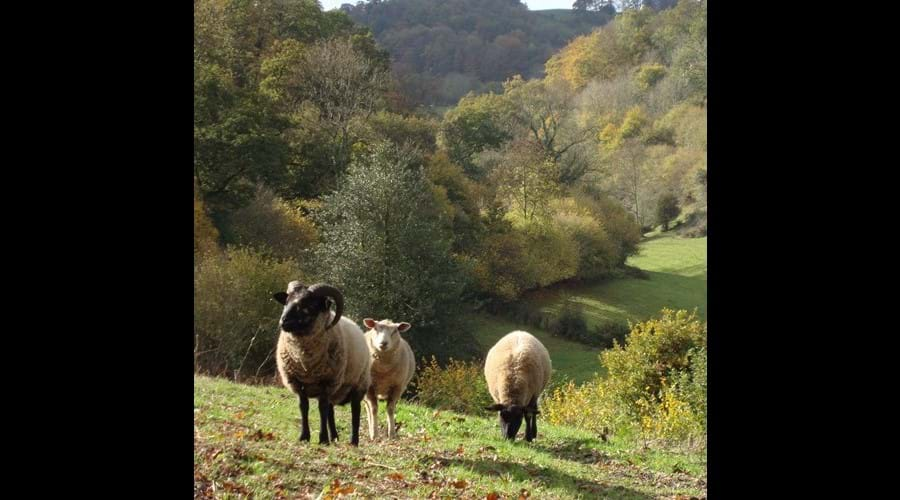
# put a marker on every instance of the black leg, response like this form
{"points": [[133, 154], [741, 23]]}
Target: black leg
{"points": [[530, 426], [331, 426], [304, 418], [323, 419], [354, 411]]}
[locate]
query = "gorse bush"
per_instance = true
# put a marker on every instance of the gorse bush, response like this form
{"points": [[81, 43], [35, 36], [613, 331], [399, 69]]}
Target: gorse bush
{"points": [[655, 384], [235, 318], [459, 386]]}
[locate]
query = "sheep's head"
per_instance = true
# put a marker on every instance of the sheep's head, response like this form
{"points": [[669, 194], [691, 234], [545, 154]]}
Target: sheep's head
{"points": [[307, 310], [387, 333], [510, 418]]}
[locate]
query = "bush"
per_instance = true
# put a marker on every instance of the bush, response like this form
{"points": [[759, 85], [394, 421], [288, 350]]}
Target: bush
{"points": [[656, 350], [666, 210], [459, 387], [519, 259], [655, 385], [206, 237], [269, 224], [570, 323], [609, 333], [235, 318], [598, 254]]}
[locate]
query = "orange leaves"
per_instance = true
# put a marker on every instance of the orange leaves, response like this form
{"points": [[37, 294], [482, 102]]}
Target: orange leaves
{"points": [[492, 496], [460, 484], [259, 435], [395, 476], [336, 490]]}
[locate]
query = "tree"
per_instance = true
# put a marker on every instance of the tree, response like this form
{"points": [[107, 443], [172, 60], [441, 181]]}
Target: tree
{"points": [[667, 209], [545, 110], [237, 138], [334, 83], [384, 244], [525, 178], [475, 125]]}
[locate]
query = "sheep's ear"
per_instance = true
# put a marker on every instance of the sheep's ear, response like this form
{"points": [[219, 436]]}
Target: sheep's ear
{"points": [[369, 322], [280, 297], [495, 407], [402, 327]]}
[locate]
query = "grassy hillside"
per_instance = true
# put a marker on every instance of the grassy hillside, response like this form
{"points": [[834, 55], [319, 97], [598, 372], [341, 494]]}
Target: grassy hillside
{"points": [[676, 269], [245, 444]]}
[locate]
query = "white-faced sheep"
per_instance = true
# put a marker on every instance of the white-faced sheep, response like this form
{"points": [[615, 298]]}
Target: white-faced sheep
{"points": [[517, 370], [393, 366], [322, 355]]}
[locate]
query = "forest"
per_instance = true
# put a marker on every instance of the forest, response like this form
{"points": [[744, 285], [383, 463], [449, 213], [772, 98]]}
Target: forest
{"points": [[442, 50]]}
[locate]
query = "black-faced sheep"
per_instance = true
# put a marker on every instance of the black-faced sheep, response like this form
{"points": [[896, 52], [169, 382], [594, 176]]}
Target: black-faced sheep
{"points": [[322, 355], [393, 366], [517, 370]]}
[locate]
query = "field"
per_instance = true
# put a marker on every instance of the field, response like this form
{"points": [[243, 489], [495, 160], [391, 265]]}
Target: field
{"points": [[676, 270], [245, 444]]}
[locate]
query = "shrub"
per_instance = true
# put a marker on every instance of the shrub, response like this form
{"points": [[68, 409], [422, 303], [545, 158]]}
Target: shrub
{"points": [[608, 333], [655, 385], [523, 258], [656, 350], [206, 237], [586, 406], [598, 254], [235, 318], [570, 323], [270, 224], [666, 210], [459, 386]]}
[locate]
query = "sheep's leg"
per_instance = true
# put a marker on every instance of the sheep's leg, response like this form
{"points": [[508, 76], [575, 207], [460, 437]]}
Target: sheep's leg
{"points": [[391, 406], [372, 413], [331, 426], [304, 418], [531, 421], [323, 419], [354, 412], [530, 426]]}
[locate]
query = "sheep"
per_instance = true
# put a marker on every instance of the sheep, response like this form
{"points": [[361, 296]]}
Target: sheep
{"points": [[322, 355], [517, 370], [393, 366]]}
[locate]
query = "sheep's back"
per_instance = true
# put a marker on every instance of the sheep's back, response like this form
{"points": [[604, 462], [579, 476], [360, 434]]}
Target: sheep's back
{"points": [[517, 369]]}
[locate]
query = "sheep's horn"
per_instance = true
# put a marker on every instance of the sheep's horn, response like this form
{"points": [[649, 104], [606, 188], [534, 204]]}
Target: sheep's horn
{"points": [[324, 290]]}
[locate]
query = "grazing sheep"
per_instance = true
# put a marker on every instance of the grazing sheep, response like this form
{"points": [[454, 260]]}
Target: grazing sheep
{"points": [[321, 355], [517, 370], [393, 366]]}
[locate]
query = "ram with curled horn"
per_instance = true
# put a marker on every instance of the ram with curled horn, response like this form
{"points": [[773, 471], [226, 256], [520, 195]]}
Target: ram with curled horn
{"points": [[322, 354]]}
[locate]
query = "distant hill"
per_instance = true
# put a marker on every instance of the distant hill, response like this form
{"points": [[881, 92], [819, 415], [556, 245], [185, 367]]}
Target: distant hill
{"points": [[441, 50]]}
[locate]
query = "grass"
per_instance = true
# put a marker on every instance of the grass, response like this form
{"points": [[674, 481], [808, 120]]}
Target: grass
{"points": [[245, 445], [676, 268], [576, 361]]}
